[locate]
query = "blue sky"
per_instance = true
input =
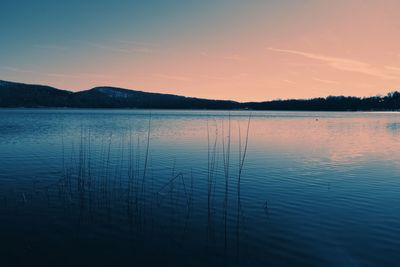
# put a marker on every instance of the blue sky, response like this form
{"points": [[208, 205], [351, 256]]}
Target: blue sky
{"points": [[237, 49]]}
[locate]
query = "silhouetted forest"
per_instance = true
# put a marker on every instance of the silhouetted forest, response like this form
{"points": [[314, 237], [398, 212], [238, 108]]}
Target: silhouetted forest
{"points": [[32, 96], [332, 103]]}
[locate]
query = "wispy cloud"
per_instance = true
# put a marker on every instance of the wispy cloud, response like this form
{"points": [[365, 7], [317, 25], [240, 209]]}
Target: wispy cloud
{"points": [[143, 44], [173, 77], [13, 69], [110, 48], [125, 47], [324, 81], [100, 76], [233, 57], [51, 47], [81, 76], [210, 77], [343, 64], [25, 71], [144, 50], [62, 75], [289, 81], [393, 69]]}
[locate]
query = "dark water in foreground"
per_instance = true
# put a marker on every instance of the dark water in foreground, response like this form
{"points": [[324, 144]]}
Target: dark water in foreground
{"points": [[78, 188]]}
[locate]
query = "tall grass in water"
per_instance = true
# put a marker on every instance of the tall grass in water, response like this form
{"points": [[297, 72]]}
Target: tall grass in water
{"points": [[226, 151], [242, 157], [211, 172], [146, 157], [136, 188], [121, 180]]}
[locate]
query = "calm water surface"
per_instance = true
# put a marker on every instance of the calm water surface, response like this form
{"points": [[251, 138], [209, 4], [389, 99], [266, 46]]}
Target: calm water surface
{"points": [[161, 188]]}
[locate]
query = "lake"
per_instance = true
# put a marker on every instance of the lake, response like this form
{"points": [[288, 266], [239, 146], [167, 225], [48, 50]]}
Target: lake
{"points": [[82, 187]]}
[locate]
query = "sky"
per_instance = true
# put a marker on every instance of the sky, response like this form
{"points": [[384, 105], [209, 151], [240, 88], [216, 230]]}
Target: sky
{"points": [[245, 50]]}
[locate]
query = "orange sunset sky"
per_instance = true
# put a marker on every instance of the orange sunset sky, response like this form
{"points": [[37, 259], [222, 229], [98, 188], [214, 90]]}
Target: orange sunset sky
{"points": [[242, 50]]}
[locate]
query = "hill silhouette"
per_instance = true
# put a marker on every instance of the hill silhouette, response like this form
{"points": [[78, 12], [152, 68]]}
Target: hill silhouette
{"points": [[13, 95]]}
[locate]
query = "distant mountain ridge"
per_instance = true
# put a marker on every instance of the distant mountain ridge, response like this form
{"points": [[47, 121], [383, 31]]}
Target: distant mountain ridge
{"points": [[30, 96], [14, 95]]}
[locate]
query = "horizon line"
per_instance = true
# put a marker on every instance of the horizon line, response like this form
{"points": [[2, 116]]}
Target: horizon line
{"points": [[203, 98]]}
